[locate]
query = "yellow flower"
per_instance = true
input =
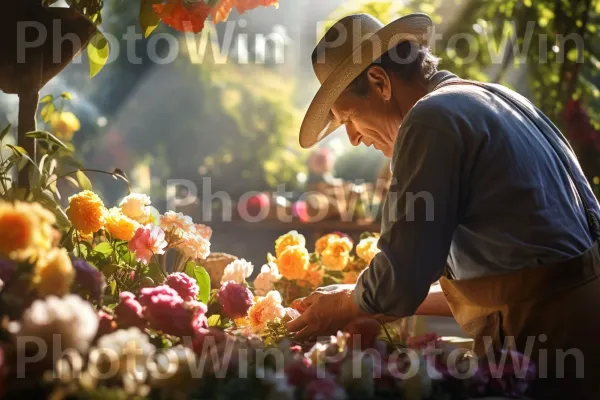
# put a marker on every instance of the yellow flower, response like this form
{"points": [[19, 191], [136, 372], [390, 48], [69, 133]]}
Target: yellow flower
{"points": [[292, 238], [25, 230], [337, 253], [86, 212], [64, 124], [323, 241], [367, 248], [293, 262], [314, 276], [350, 277], [120, 226], [53, 273]]}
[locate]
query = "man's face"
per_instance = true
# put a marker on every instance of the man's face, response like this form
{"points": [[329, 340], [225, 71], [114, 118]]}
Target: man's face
{"points": [[373, 120]]}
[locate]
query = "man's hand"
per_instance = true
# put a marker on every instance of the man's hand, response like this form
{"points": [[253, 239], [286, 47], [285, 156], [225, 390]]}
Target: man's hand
{"points": [[327, 310]]}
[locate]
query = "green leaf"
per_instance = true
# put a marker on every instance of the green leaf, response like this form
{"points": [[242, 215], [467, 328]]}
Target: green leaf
{"points": [[149, 20], [214, 320], [18, 151], [47, 99], [5, 132], [202, 279], [83, 180], [104, 248], [82, 250], [66, 96], [98, 52], [47, 111], [46, 136], [113, 286]]}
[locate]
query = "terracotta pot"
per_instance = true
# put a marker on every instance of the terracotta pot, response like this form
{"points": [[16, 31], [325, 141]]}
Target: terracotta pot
{"points": [[215, 265], [21, 67]]}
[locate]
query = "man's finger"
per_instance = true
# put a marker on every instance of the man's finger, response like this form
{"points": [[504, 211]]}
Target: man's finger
{"points": [[297, 324], [310, 300]]}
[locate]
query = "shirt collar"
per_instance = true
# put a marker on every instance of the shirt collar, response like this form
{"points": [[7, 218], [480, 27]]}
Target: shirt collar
{"points": [[438, 78]]}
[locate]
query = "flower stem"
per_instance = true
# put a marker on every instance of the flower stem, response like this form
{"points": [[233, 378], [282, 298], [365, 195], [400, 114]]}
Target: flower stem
{"points": [[158, 263]]}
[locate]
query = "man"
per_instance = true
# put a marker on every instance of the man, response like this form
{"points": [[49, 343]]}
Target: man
{"points": [[487, 198]]}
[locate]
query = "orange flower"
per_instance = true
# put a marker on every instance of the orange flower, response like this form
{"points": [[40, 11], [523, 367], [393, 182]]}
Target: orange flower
{"points": [[337, 253], [221, 10], [183, 15], [54, 273], [314, 276], [323, 241], [293, 262], [86, 212], [25, 230], [350, 277], [266, 309], [292, 238], [120, 226], [367, 249]]}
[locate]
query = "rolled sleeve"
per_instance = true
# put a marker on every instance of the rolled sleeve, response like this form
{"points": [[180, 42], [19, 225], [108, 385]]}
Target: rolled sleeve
{"points": [[419, 217]]}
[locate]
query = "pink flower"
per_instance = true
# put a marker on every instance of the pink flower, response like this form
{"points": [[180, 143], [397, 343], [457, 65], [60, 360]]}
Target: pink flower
{"points": [[129, 312], [235, 299], [300, 374], [324, 388], [210, 336], [106, 324], [147, 241], [165, 310], [184, 285], [204, 231]]}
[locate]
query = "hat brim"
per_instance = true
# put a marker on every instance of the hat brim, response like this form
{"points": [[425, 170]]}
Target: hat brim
{"points": [[318, 121]]}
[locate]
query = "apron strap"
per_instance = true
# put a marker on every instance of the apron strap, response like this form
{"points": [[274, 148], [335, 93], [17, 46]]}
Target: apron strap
{"points": [[592, 220]]}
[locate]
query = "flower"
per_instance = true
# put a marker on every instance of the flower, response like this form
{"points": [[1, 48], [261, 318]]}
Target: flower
{"points": [[86, 212], [292, 238], [129, 311], [151, 216], [165, 310], [106, 324], [314, 275], [53, 273], [367, 249], [193, 246], [235, 299], [88, 278], [204, 231], [263, 283], [7, 269], [177, 223], [184, 285], [299, 373], [24, 230], [206, 338], [266, 309], [323, 241], [237, 271], [135, 206], [119, 225], [350, 277], [70, 317], [293, 262], [147, 241], [337, 253], [183, 16], [64, 124]]}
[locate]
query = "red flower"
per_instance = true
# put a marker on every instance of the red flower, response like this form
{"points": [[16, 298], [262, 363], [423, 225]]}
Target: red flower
{"points": [[129, 312], [106, 324], [183, 15], [184, 285], [300, 374], [210, 336], [235, 299]]}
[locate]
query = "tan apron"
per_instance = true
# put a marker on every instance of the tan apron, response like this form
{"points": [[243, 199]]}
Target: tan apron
{"points": [[550, 313]]}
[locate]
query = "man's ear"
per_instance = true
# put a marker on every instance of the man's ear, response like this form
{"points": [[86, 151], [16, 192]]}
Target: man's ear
{"points": [[380, 82]]}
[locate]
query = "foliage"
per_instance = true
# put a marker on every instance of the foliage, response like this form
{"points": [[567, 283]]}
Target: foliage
{"points": [[536, 37]]}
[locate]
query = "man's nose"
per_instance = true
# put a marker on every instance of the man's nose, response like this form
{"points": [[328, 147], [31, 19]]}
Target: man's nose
{"points": [[353, 134]]}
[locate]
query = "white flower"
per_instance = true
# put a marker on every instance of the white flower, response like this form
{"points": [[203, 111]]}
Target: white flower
{"points": [[237, 271], [263, 283], [264, 310], [317, 354], [177, 223], [356, 374], [194, 246], [70, 317], [134, 205]]}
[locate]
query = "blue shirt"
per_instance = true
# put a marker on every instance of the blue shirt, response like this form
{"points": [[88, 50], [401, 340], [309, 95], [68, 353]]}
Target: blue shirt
{"points": [[476, 186]]}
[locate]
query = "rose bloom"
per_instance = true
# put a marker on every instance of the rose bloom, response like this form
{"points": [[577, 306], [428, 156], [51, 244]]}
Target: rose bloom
{"points": [[367, 249], [266, 309], [129, 311], [53, 273], [184, 285], [292, 238], [119, 225], [264, 282], [193, 246], [134, 205], [350, 277], [237, 271], [235, 299], [337, 254], [323, 241], [17, 229], [293, 262], [86, 212], [177, 223], [148, 240]]}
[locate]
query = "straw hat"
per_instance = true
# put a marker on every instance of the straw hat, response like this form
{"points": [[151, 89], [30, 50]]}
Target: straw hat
{"points": [[347, 49]]}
